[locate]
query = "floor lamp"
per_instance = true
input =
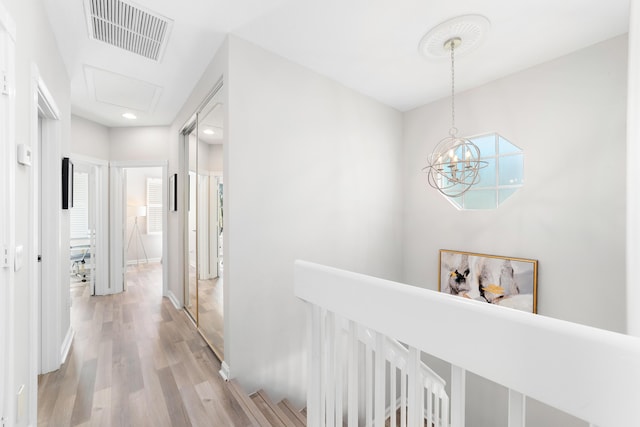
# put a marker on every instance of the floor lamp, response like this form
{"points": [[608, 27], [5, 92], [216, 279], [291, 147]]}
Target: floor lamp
{"points": [[140, 211]]}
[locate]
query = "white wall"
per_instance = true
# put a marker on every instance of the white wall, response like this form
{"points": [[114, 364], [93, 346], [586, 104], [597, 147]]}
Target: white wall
{"points": [[89, 138], [216, 162], [569, 117], [35, 45], [139, 143], [312, 171]]}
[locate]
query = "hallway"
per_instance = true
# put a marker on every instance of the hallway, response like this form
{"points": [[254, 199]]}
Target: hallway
{"points": [[137, 361]]}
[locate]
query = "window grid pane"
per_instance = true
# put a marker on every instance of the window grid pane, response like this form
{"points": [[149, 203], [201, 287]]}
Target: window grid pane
{"points": [[500, 178]]}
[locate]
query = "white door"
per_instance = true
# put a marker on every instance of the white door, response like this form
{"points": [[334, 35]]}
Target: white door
{"points": [[118, 208]]}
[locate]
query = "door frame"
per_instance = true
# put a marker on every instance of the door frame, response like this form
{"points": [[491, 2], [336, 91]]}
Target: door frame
{"points": [[7, 216], [46, 318], [117, 227], [101, 192]]}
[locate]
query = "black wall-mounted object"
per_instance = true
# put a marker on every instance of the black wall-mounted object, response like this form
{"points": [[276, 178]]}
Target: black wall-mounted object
{"points": [[67, 183], [173, 192]]}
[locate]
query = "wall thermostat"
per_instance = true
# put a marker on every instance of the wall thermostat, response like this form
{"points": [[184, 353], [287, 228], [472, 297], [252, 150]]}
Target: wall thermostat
{"points": [[24, 155]]}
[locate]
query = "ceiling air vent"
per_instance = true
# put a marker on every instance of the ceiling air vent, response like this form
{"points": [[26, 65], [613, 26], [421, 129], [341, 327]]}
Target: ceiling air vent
{"points": [[127, 26]]}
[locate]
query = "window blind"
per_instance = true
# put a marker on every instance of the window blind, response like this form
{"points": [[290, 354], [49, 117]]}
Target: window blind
{"points": [[154, 205], [79, 213]]}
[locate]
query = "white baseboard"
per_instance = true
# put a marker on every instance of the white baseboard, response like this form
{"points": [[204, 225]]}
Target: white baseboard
{"points": [[66, 345], [225, 371], [174, 300]]}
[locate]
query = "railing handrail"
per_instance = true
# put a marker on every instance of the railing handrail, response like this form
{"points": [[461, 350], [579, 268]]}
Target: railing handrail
{"points": [[396, 353], [590, 373]]}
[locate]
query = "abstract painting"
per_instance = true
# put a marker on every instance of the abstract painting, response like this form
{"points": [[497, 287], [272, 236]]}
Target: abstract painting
{"points": [[506, 281]]}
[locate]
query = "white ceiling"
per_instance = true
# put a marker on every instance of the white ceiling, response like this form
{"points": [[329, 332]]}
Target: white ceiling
{"points": [[368, 45]]}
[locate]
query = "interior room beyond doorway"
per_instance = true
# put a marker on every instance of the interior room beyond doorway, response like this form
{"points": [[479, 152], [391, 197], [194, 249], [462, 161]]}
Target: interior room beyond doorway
{"points": [[144, 189]]}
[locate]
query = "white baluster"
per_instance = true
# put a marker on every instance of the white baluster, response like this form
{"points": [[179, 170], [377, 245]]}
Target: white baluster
{"points": [[403, 397], [429, 394], [339, 359], [368, 385], [444, 401], [314, 362], [330, 344], [393, 392], [517, 405], [437, 415], [420, 408], [380, 379], [323, 369], [352, 388], [413, 407], [458, 396]]}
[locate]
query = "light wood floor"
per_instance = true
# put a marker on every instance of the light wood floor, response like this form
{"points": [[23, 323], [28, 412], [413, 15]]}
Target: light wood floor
{"points": [[136, 361]]}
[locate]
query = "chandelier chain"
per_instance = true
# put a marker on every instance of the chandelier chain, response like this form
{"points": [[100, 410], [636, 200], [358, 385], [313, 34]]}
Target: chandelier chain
{"points": [[453, 130]]}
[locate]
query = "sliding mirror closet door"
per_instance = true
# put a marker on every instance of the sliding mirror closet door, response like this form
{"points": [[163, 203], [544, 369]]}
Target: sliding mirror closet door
{"points": [[191, 232], [210, 149], [203, 138]]}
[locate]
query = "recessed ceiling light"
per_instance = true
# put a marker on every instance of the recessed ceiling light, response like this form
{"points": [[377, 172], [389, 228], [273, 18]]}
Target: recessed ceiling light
{"points": [[129, 116], [208, 131]]}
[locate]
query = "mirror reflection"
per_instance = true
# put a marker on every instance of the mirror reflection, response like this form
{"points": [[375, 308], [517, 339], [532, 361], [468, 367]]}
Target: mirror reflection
{"points": [[204, 145]]}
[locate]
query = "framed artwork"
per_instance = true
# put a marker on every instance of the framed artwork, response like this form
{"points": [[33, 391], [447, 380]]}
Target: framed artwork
{"points": [[506, 281]]}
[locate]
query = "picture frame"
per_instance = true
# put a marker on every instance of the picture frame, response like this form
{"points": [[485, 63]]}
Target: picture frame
{"points": [[67, 183], [500, 280], [173, 192]]}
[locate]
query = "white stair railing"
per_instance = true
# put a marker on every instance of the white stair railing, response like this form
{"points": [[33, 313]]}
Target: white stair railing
{"points": [[589, 373], [397, 358], [351, 356]]}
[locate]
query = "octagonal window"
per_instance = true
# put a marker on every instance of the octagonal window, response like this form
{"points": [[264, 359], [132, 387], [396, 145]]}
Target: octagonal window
{"points": [[500, 179]]}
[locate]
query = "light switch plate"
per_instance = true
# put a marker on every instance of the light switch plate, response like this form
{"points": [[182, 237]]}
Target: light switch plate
{"points": [[24, 155]]}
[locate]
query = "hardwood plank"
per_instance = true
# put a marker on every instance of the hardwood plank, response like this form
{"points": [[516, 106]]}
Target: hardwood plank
{"points": [[216, 414], [172, 398], [292, 414], [138, 413], [282, 417], [301, 415], [100, 413], [105, 362], [84, 393], [248, 405], [154, 395], [196, 411]]}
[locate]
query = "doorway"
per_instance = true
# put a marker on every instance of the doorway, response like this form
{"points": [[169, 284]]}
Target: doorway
{"points": [[144, 197], [203, 148], [138, 219], [88, 226]]}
